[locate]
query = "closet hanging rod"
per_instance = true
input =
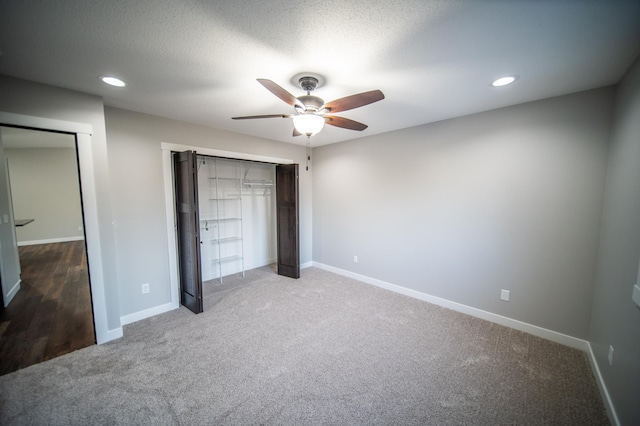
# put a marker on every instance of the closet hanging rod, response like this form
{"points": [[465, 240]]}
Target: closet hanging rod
{"points": [[257, 183]]}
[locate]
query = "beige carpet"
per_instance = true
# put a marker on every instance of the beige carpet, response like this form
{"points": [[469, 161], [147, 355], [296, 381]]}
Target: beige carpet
{"points": [[323, 349]]}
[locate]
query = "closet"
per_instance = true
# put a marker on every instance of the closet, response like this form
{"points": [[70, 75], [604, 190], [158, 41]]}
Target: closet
{"points": [[231, 216], [237, 216]]}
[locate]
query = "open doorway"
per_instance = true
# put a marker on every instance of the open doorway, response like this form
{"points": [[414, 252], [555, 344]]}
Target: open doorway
{"points": [[52, 312]]}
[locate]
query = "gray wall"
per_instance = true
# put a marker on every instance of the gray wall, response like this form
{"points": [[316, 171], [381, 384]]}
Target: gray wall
{"points": [[45, 187], [615, 319], [135, 162], [460, 209], [39, 100]]}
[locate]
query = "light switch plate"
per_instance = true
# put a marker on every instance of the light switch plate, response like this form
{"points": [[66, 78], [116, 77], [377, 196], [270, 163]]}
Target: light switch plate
{"points": [[636, 294]]}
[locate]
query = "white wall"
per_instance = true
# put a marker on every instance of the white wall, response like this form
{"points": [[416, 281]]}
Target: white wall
{"points": [[259, 204], [45, 187], [615, 320], [460, 209], [135, 161]]}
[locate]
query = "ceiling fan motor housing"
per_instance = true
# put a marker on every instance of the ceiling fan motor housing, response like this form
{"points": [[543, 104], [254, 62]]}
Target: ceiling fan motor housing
{"points": [[311, 103]]}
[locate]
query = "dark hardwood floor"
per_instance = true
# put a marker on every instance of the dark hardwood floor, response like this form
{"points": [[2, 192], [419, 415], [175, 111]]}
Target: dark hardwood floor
{"points": [[51, 314]]}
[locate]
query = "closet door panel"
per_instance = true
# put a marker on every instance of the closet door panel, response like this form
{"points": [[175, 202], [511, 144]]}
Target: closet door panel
{"points": [[287, 220], [188, 229]]}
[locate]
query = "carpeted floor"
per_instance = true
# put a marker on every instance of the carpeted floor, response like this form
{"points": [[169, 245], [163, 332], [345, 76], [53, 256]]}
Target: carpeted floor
{"points": [[323, 349]]}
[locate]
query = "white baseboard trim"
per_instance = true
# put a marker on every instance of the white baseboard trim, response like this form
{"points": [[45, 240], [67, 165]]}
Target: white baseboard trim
{"points": [[604, 393], [306, 265], [49, 241], [109, 335], [147, 313], [554, 336], [11, 293]]}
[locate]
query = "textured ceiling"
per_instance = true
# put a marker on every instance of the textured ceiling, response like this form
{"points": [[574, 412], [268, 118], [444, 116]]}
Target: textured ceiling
{"points": [[198, 60]]}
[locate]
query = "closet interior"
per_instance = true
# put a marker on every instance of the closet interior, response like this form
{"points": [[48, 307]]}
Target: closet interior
{"points": [[237, 209]]}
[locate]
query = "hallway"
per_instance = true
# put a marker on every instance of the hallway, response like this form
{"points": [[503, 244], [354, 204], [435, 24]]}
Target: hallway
{"points": [[51, 315]]}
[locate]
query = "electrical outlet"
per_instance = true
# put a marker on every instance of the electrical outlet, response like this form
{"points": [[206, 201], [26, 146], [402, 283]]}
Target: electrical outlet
{"points": [[145, 288], [610, 355], [355, 259], [504, 295]]}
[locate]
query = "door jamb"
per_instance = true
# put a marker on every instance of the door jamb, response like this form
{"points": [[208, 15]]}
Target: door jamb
{"points": [[83, 134]]}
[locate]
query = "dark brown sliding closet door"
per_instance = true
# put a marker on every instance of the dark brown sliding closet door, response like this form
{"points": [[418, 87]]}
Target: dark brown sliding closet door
{"points": [[188, 229], [287, 220]]}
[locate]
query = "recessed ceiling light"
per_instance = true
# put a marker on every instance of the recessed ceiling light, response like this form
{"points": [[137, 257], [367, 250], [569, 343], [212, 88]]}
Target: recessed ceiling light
{"points": [[112, 81], [504, 81]]}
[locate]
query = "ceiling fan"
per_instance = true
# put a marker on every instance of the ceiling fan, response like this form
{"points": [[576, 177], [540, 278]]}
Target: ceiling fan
{"points": [[311, 112]]}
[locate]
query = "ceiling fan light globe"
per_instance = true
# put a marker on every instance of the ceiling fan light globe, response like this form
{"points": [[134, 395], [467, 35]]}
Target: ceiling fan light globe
{"points": [[308, 124]]}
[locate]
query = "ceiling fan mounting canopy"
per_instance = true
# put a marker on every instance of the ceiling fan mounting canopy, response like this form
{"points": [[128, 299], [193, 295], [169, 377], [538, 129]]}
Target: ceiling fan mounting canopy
{"points": [[308, 83], [309, 105]]}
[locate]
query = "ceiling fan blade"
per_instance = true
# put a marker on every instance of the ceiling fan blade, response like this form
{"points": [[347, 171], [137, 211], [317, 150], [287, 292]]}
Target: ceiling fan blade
{"points": [[280, 92], [296, 132], [354, 101], [250, 117], [345, 123]]}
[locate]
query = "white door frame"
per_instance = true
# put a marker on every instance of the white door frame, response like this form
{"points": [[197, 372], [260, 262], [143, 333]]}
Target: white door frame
{"points": [[83, 134]]}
